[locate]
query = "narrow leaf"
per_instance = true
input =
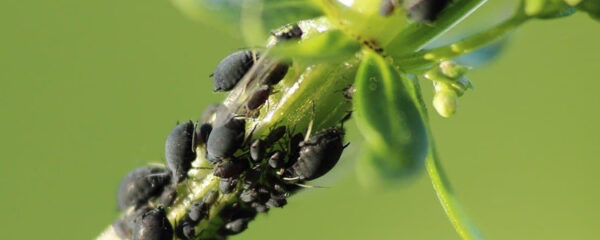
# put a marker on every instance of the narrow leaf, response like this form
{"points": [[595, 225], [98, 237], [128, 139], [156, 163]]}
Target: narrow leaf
{"points": [[388, 118]]}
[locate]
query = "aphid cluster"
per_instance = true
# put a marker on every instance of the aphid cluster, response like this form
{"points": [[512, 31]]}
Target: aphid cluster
{"points": [[262, 171]]}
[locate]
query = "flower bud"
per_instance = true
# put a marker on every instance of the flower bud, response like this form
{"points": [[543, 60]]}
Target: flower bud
{"points": [[445, 99]]}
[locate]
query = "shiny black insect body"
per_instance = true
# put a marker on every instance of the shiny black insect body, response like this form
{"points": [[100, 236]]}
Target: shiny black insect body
{"points": [[201, 135], [278, 72], [179, 150], [237, 226], [276, 160], [224, 140], [294, 149], [141, 184], [153, 225], [426, 10], [258, 97], [230, 168], [226, 185], [319, 153], [259, 207], [275, 135], [249, 195], [232, 69], [287, 32], [257, 150], [276, 202], [198, 211]]}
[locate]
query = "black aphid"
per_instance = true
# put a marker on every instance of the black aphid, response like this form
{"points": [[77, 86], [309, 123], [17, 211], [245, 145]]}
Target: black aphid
{"points": [[197, 211], [259, 207], [230, 168], [252, 176], [153, 225], [276, 202], [276, 160], [287, 32], [275, 135], [224, 140], [235, 211], [294, 149], [249, 195], [186, 230], [319, 154], [258, 97], [179, 150], [226, 185], [277, 73], [141, 184], [237, 226], [257, 150], [201, 135], [231, 70], [426, 10]]}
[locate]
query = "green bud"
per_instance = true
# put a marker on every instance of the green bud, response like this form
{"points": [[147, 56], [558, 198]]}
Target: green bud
{"points": [[445, 100]]}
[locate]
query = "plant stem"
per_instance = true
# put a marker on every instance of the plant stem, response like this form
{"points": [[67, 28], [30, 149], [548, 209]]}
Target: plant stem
{"points": [[444, 192]]}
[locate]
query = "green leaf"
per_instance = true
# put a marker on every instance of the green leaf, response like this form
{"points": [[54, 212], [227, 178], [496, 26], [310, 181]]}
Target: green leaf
{"points": [[327, 46], [251, 19], [388, 118]]}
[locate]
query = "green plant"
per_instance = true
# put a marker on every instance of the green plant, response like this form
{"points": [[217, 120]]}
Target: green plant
{"points": [[382, 57]]}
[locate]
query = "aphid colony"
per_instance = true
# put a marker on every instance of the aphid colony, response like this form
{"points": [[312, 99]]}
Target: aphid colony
{"points": [[262, 172]]}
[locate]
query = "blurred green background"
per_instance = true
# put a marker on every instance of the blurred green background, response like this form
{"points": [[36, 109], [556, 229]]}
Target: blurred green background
{"points": [[90, 89]]}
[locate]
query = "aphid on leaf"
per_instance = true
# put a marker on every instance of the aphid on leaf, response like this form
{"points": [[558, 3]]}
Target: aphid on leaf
{"points": [[198, 211], [287, 32], [201, 135], [237, 226], [276, 160], [179, 150], [318, 154], [153, 225], [226, 185], [225, 139], [258, 97], [141, 184], [277, 73], [232, 69], [230, 168], [257, 150]]}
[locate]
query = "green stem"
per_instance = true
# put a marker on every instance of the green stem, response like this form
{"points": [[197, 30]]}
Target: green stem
{"points": [[424, 58], [444, 192]]}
